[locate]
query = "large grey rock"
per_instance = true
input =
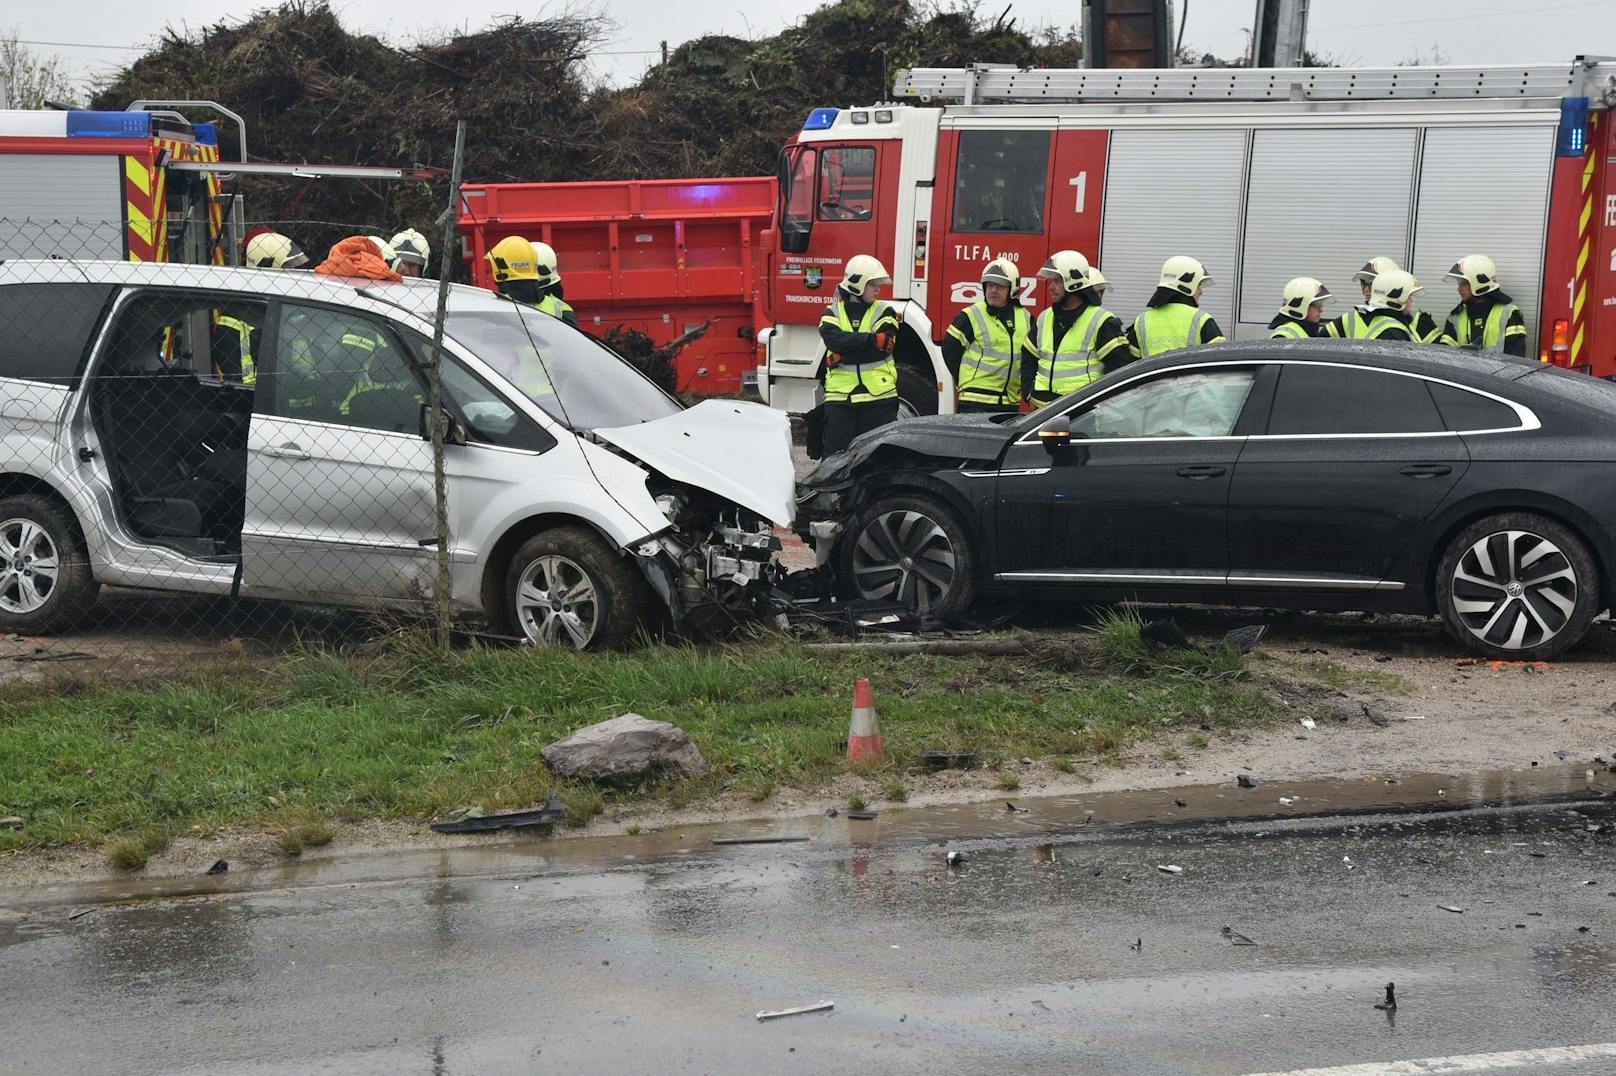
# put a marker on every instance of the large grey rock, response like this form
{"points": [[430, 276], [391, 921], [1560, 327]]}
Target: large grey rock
{"points": [[624, 748]]}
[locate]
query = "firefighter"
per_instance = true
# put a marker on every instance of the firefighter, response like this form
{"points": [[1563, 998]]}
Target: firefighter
{"points": [[1078, 340], [551, 297], [272, 250], [1301, 311], [411, 252], [1352, 324], [1486, 319], [861, 376], [988, 340], [1386, 314], [1174, 318]]}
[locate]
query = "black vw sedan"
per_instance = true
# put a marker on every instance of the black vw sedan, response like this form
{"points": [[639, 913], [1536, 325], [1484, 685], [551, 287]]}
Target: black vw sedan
{"points": [[1310, 475]]}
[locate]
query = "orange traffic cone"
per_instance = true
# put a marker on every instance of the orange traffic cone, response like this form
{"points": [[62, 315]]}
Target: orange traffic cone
{"points": [[864, 734]]}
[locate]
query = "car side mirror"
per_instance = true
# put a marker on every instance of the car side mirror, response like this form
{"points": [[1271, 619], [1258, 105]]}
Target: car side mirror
{"points": [[453, 432], [1056, 434]]}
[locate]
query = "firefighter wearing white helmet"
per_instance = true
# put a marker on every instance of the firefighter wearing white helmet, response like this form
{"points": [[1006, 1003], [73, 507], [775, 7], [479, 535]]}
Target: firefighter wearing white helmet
{"points": [[1078, 339], [1391, 297], [1301, 310], [1353, 325], [1486, 319], [860, 332], [272, 250], [551, 296], [990, 343], [1173, 317], [410, 253]]}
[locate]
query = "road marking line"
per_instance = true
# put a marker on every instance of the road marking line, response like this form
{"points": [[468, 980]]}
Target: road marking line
{"points": [[1442, 1066]]}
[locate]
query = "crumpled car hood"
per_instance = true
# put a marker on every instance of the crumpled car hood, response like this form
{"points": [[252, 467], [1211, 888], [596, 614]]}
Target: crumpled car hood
{"points": [[969, 437], [740, 451]]}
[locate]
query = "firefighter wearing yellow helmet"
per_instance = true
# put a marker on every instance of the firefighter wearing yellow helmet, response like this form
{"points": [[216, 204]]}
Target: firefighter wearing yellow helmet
{"points": [[1486, 319], [860, 332], [1301, 310], [1173, 318], [551, 297], [411, 252], [272, 250], [515, 265], [1078, 339], [1391, 300], [990, 343]]}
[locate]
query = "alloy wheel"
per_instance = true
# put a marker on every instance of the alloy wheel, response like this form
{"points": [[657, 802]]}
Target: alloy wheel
{"points": [[903, 556], [557, 604], [1514, 589], [28, 566]]}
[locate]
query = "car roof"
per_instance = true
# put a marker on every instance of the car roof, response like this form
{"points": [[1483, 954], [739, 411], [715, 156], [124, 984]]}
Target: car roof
{"points": [[1426, 359], [417, 296]]}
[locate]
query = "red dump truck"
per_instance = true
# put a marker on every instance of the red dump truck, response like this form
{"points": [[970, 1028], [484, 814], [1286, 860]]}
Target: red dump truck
{"points": [[662, 257]]}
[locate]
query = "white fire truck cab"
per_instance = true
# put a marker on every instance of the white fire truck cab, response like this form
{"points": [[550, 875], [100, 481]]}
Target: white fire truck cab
{"points": [[1262, 174]]}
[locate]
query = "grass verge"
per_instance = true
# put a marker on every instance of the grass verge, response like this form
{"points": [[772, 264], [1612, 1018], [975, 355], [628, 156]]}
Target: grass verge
{"points": [[409, 733]]}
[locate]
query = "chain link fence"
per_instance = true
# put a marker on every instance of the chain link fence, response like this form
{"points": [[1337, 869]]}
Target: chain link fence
{"points": [[202, 464]]}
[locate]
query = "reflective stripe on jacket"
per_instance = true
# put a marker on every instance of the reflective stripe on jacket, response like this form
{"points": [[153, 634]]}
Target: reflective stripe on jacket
{"points": [[987, 373], [1494, 332], [243, 331], [1169, 327], [1072, 363], [867, 382]]}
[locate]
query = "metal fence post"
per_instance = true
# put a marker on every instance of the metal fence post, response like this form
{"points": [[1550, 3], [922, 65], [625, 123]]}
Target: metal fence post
{"points": [[434, 377]]}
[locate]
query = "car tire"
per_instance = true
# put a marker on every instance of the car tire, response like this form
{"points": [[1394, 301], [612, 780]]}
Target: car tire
{"points": [[1487, 605], [45, 580], [917, 392], [601, 602], [898, 534]]}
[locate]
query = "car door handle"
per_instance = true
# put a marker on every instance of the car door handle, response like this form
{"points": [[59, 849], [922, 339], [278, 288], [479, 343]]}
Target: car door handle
{"points": [[1426, 470], [291, 450], [1198, 473]]}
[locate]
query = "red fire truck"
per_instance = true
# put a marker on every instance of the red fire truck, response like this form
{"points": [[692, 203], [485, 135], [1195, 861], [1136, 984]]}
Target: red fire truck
{"points": [[663, 257], [142, 184], [1263, 174]]}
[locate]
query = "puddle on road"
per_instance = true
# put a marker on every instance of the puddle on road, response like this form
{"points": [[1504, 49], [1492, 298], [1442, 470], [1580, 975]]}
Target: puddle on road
{"points": [[1100, 813]]}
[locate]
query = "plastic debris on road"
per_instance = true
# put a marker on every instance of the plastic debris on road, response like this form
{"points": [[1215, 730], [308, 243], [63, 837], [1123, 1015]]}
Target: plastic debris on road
{"points": [[818, 1006], [1245, 780]]}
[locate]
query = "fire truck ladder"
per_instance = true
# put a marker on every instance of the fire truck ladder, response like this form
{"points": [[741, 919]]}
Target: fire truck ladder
{"points": [[1587, 76]]}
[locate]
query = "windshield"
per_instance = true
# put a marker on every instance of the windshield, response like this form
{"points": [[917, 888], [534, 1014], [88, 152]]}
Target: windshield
{"points": [[575, 379]]}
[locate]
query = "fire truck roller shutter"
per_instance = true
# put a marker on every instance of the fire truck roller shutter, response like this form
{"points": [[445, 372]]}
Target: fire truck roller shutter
{"points": [[1319, 201], [61, 205], [1172, 191], [1485, 190]]}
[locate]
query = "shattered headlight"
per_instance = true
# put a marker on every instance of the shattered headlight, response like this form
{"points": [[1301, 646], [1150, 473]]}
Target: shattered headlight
{"points": [[670, 505]]}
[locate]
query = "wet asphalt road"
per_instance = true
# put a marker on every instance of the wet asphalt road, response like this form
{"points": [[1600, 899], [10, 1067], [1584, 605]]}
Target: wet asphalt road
{"points": [[1023, 960]]}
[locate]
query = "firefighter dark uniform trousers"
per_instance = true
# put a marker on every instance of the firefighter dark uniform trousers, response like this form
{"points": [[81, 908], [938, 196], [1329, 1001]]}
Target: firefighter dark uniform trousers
{"points": [[861, 376]]}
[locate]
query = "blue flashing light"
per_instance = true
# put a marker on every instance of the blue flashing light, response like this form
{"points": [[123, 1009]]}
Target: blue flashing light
{"points": [[1572, 140], [820, 119], [83, 123], [207, 134]]}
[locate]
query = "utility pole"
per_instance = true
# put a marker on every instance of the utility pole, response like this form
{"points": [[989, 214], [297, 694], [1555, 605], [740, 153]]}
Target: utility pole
{"points": [[664, 54], [1279, 33]]}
